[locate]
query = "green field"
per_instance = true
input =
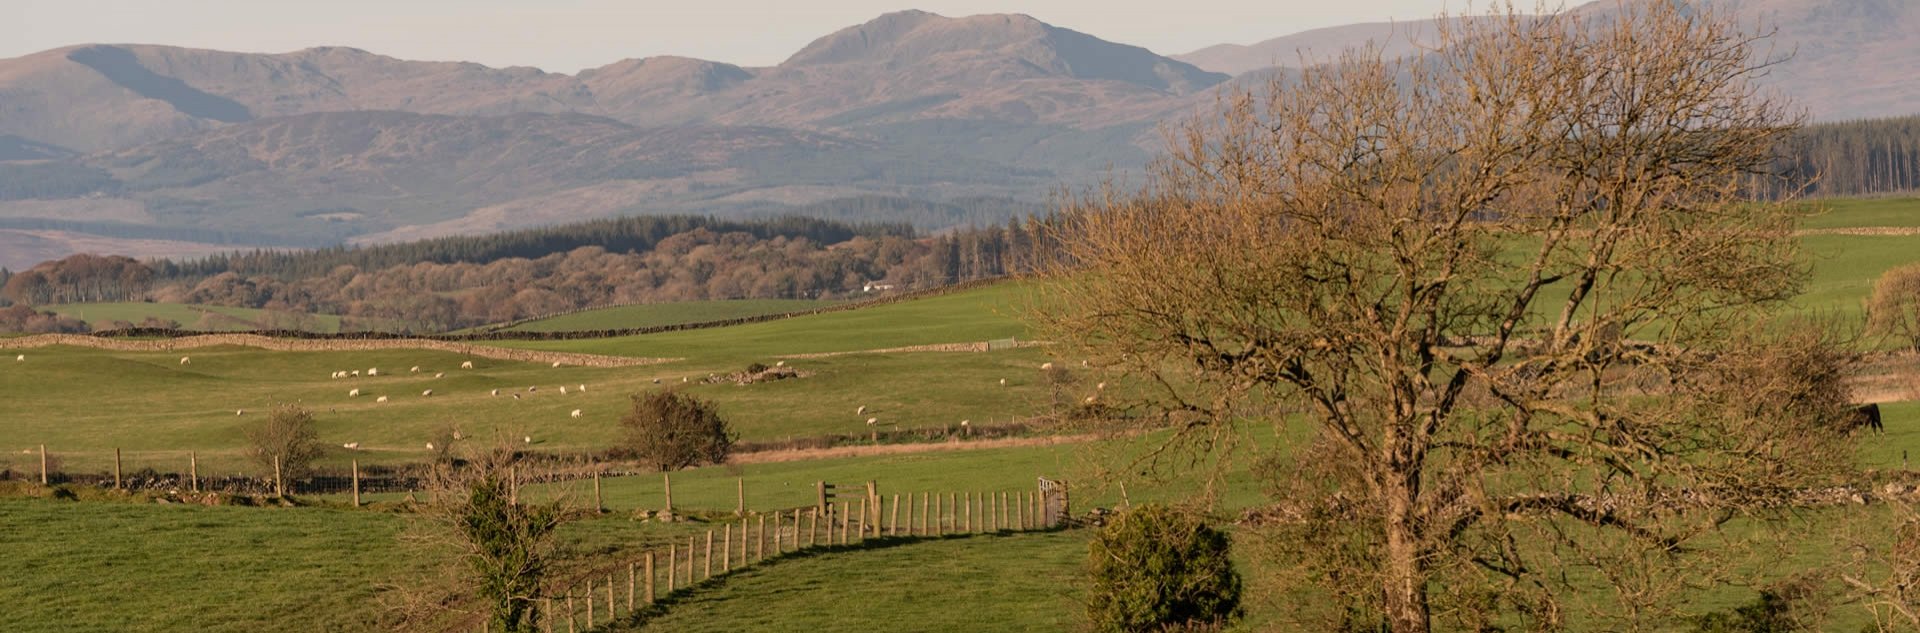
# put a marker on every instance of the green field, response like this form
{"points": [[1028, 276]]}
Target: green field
{"points": [[1900, 211], [660, 314], [192, 317]]}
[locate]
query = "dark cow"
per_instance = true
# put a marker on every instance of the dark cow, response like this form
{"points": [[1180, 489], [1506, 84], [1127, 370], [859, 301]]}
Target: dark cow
{"points": [[1867, 415]]}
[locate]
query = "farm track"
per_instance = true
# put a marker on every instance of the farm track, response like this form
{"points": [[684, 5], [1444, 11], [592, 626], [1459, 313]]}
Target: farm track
{"points": [[327, 345], [808, 454], [1894, 231]]}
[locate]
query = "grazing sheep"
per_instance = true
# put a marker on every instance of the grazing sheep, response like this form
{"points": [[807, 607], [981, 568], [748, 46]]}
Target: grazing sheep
{"points": [[240, 412], [656, 381], [466, 365], [556, 364], [414, 370], [440, 375], [1085, 364], [1003, 382], [496, 393], [872, 421], [526, 440], [780, 364], [353, 394], [533, 388], [1101, 386], [583, 388], [356, 373], [1090, 399], [352, 446], [380, 399], [516, 396], [186, 360], [373, 372], [429, 445], [966, 423], [563, 390], [683, 379], [860, 411], [576, 413], [426, 393], [458, 435], [19, 358]]}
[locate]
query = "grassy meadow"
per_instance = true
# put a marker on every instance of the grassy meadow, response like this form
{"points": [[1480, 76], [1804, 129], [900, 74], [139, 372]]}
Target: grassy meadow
{"points": [[192, 317]]}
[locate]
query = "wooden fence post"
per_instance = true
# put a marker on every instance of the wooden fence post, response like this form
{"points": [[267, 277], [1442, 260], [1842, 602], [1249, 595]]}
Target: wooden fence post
{"points": [[673, 568], [860, 526], [631, 579], [649, 564], [776, 533], [740, 498], [116, 468], [589, 603], [893, 519], [969, 500], [193, 471], [599, 507], [546, 615], [570, 611], [1002, 519], [813, 527], [760, 542], [610, 611], [43, 464], [873, 506], [953, 510], [690, 541], [939, 516], [923, 514], [821, 488], [706, 563], [726, 549], [666, 487], [356, 483], [279, 483]]}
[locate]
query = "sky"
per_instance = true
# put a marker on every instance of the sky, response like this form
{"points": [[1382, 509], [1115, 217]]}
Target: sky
{"points": [[568, 35]]}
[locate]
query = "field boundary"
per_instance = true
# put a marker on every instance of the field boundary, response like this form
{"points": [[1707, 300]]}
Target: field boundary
{"points": [[278, 344]]}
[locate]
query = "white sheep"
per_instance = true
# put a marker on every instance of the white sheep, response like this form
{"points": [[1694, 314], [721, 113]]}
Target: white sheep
{"points": [[414, 370], [426, 393], [1101, 386], [1046, 366], [583, 388], [373, 372], [429, 445], [354, 393], [380, 399], [683, 379], [563, 390], [20, 358], [526, 440], [516, 396], [872, 421], [556, 364], [576, 413], [458, 435], [1003, 382], [352, 446], [496, 393], [780, 364], [356, 373], [860, 411], [466, 365], [240, 412], [656, 381], [186, 360], [966, 423], [533, 388], [440, 375], [1090, 399]]}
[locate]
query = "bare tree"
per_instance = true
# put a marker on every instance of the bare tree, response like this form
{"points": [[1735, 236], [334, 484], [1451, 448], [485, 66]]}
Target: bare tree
{"points": [[1893, 310], [1515, 287], [286, 436]]}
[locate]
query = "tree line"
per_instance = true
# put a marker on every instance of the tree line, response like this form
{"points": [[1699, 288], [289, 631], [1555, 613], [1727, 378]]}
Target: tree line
{"points": [[1851, 158]]}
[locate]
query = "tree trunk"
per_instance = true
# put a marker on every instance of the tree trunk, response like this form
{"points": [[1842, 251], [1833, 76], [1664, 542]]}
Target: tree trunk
{"points": [[1405, 573]]}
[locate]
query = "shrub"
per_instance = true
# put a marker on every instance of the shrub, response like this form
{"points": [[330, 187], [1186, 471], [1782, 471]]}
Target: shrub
{"points": [[756, 368], [675, 430], [1893, 310], [1155, 568], [286, 433]]}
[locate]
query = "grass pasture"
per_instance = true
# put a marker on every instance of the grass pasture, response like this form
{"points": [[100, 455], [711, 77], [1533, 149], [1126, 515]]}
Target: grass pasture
{"points": [[661, 314], [189, 316]]}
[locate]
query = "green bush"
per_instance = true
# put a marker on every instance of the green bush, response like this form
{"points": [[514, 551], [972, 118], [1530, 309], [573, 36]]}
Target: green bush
{"points": [[675, 430], [1155, 568]]}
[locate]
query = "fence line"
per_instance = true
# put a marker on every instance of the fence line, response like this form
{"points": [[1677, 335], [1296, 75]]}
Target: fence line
{"points": [[852, 517]]}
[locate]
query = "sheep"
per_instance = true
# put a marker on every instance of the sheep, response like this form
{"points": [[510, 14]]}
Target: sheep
{"points": [[872, 421], [526, 440], [380, 399], [1090, 399], [426, 393], [1003, 382], [576, 413], [352, 446], [683, 379], [466, 365], [1046, 366], [563, 390], [860, 411], [556, 364], [373, 372], [1085, 364], [184, 360], [429, 445], [656, 381], [1100, 387], [240, 412], [353, 394], [496, 393], [533, 388], [414, 370], [356, 373], [440, 375], [780, 364], [516, 396], [583, 388], [458, 435], [20, 358]]}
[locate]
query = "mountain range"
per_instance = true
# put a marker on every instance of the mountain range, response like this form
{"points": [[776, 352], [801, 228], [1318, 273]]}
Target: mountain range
{"points": [[335, 144]]}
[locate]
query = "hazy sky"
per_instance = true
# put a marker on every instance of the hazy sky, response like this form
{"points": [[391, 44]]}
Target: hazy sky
{"points": [[567, 35]]}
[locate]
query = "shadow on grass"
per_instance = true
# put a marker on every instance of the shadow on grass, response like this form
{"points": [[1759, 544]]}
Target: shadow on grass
{"points": [[644, 614]]}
